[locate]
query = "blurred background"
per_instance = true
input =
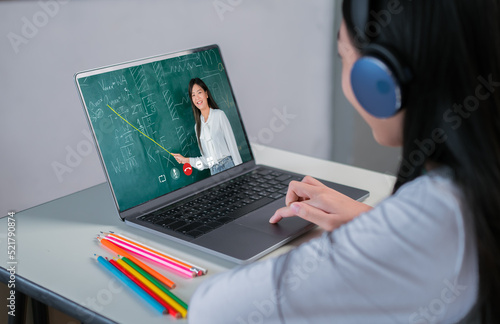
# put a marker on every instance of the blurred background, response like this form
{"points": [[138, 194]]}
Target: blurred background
{"points": [[280, 55]]}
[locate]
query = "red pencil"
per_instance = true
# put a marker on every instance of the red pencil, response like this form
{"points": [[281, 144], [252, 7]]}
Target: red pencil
{"points": [[170, 309]]}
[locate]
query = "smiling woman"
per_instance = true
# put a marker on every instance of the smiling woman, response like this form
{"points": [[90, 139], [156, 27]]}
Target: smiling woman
{"points": [[214, 133]]}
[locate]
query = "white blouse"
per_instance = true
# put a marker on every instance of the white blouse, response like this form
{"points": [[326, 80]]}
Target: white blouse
{"points": [[217, 141]]}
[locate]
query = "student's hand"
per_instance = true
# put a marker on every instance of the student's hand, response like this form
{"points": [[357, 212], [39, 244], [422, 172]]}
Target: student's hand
{"points": [[319, 204], [180, 159]]}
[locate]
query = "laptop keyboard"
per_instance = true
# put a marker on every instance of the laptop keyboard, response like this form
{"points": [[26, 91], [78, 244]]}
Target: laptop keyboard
{"points": [[222, 204]]}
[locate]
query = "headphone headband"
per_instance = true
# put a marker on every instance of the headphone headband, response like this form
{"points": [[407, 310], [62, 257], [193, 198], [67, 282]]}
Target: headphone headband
{"points": [[360, 13]]}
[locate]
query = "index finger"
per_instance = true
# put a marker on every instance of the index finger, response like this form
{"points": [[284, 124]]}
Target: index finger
{"points": [[312, 181], [299, 191]]}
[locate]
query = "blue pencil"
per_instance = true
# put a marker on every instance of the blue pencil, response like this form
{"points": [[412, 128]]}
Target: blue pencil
{"points": [[132, 285]]}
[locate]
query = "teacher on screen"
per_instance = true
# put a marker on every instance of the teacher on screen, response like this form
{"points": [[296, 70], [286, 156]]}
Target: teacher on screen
{"points": [[215, 136]]}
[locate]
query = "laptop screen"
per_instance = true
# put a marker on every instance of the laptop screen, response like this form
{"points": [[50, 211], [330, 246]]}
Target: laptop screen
{"points": [[163, 123]]}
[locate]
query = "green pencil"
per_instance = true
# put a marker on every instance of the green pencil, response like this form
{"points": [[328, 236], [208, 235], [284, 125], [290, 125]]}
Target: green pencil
{"points": [[155, 282]]}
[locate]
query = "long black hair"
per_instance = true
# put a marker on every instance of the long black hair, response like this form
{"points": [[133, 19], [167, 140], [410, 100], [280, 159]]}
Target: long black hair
{"points": [[452, 108], [196, 112]]}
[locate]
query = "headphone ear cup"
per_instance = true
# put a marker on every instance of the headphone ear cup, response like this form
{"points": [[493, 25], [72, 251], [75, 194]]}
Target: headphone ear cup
{"points": [[375, 87]]}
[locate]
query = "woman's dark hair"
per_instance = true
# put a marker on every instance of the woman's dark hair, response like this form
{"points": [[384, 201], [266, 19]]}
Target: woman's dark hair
{"points": [[196, 111], [452, 107]]}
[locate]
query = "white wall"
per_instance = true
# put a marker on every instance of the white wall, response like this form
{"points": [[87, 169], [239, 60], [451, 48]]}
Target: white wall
{"points": [[278, 54]]}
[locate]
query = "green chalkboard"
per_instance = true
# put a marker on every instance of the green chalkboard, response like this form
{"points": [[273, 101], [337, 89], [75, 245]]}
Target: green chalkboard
{"points": [[139, 111]]}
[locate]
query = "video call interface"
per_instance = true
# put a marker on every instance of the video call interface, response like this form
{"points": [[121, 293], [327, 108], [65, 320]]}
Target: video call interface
{"points": [[143, 119]]}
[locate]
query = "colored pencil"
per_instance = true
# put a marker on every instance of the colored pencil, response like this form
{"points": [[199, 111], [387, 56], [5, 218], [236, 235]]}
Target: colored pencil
{"points": [[131, 284], [156, 290], [155, 282], [146, 250], [194, 268], [113, 247], [150, 256], [169, 308]]}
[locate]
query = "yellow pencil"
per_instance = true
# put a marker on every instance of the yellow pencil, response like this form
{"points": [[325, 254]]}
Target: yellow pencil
{"points": [[155, 289]]}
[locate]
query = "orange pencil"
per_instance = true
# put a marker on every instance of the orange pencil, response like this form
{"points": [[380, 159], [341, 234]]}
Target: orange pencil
{"points": [[113, 247], [170, 309]]}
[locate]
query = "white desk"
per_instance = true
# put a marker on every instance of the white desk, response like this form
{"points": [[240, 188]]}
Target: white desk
{"points": [[55, 243]]}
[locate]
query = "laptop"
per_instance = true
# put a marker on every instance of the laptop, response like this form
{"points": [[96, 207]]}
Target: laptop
{"points": [[181, 166]]}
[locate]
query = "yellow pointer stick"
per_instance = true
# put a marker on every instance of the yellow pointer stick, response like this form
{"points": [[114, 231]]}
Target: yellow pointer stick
{"points": [[155, 289], [139, 130]]}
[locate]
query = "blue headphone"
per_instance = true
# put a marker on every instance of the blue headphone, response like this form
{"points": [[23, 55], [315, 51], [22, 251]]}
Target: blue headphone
{"points": [[378, 77]]}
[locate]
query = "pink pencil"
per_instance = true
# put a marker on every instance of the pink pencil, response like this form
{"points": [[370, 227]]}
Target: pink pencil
{"points": [[194, 268], [150, 256]]}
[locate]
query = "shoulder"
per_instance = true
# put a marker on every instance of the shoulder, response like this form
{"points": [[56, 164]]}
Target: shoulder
{"points": [[432, 193], [439, 180], [218, 113], [429, 201], [425, 216], [220, 117]]}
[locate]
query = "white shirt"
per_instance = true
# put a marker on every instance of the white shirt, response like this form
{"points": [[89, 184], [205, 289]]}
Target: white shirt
{"points": [[412, 259], [217, 141]]}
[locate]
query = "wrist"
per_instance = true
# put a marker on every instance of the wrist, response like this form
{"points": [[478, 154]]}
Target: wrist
{"points": [[363, 208]]}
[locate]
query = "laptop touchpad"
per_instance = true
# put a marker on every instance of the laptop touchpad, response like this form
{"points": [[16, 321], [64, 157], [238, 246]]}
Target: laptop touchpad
{"points": [[259, 220], [237, 241]]}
